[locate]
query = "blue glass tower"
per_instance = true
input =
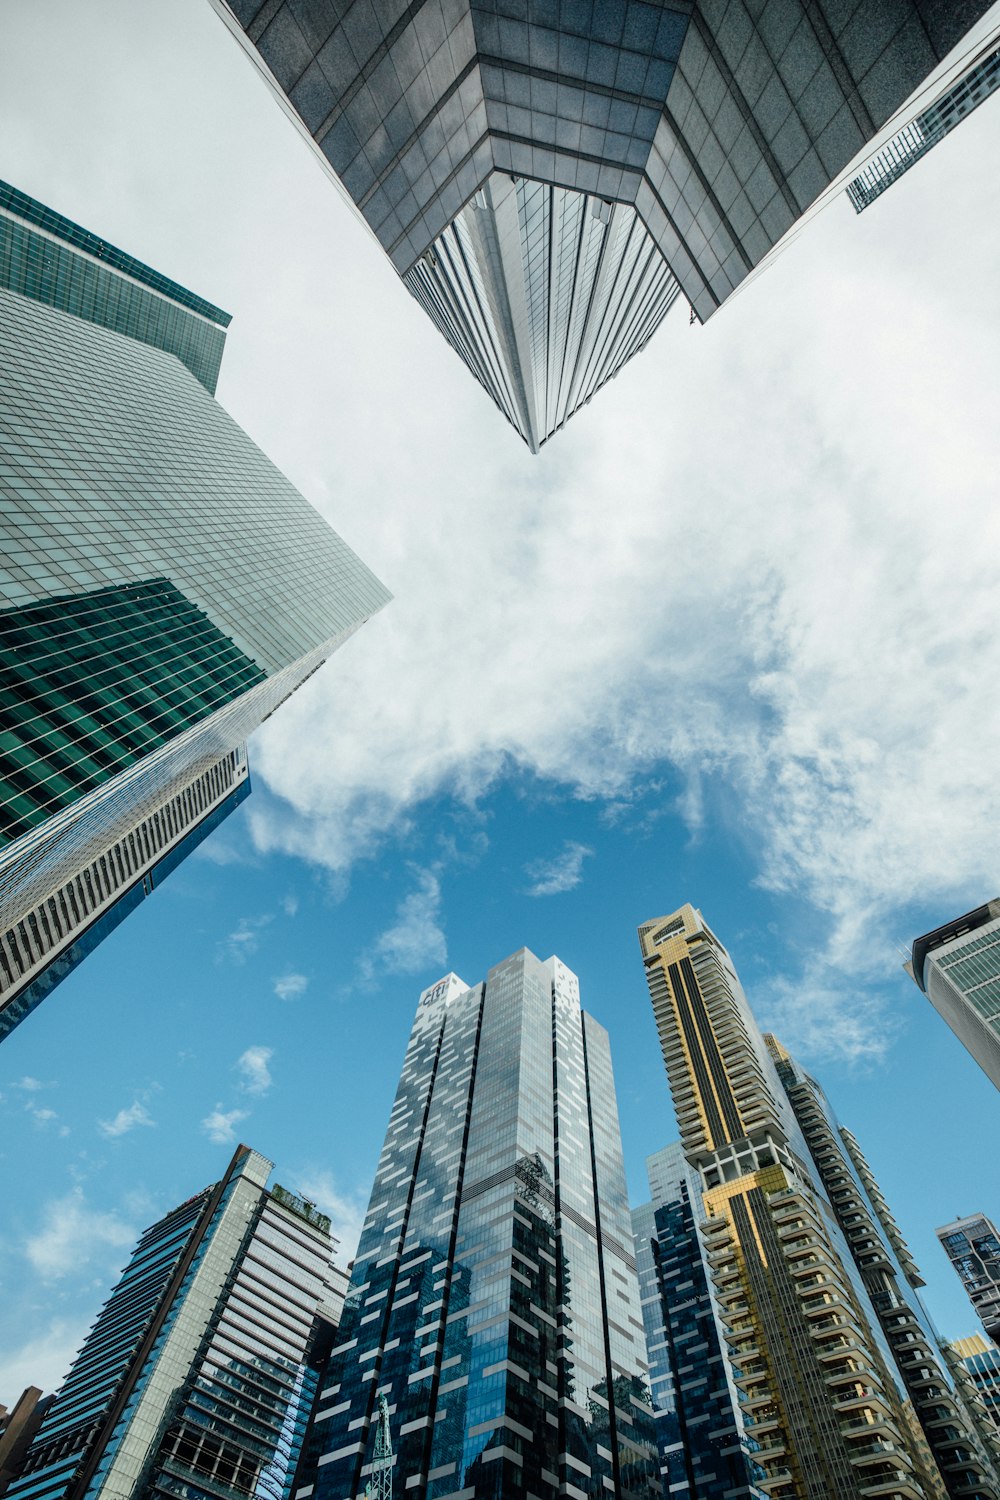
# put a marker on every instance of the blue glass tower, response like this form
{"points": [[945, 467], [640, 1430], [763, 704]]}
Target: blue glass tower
{"points": [[493, 1299]]}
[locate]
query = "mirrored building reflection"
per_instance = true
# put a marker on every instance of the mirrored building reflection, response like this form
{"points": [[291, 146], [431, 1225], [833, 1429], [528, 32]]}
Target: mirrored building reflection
{"points": [[493, 1299], [548, 178], [163, 588], [187, 1383]]}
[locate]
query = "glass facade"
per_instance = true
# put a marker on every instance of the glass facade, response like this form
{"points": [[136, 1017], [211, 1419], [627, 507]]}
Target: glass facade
{"points": [[163, 588], [47, 943], [706, 1452], [186, 1382], [973, 1247], [545, 293], [493, 1299], [716, 125], [958, 968], [50, 259], [898, 155], [842, 1388], [92, 682]]}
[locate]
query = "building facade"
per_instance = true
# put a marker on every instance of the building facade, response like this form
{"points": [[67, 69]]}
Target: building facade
{"points": [[981, 1360], [547, 179], [842, 1389], [972, 1245], [185, 1382], [162, 589], [977, 81], [705, 1442], [958, 968], [493, 1299]]}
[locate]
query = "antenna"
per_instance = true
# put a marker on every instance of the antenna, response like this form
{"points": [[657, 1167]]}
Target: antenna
{"points": [[379, 1487]]}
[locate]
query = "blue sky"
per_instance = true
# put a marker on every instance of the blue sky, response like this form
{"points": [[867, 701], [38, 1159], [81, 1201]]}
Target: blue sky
{"points": [[730, 639]]}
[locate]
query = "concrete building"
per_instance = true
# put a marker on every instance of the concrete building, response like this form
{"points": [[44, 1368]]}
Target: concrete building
{"points": [[189, 1380], [958, 968]]}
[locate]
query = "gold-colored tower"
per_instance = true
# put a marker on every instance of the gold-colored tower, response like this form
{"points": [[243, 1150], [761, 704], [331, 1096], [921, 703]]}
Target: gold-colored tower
{"points": [[830, 1416]]}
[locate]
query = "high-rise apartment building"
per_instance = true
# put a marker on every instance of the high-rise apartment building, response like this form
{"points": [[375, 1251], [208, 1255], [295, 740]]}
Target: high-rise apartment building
{"points": [[162, 589], [981, 1359], [977, 81], [842, 1387], [548, 179], [972, 1245], [958, 968], [187, 1380], [493, 1299]]}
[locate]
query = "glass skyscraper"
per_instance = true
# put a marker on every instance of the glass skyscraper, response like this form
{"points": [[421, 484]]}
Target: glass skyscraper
{"points": [[704, 1436], [162, 589], [548, 178], [958, 968], [186, 1384], [972, 1245], [842, 1386], [978, 80], [493, 1299]]}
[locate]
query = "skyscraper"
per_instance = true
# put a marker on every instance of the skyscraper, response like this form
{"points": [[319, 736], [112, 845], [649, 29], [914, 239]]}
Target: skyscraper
{"points": [[704, 1435], [547, 179], [184, 1384], [493, 1298], [958, 968], [972, 1245], [978, 79], [981, 1359], [162, 589], [843, 1390]]}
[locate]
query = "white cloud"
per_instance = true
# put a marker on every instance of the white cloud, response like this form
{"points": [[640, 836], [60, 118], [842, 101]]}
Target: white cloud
{"points": [[125, 1120], [291, 986], [346, 1209], [30, 1085], [253, 1065], [74, 1234], [43, 1360], [415, 939], [761, 564], [220, 1125], [290, 904], [564, 872], [243, 942]]}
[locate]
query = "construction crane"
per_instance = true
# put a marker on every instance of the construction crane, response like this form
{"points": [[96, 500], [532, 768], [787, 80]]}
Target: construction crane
{"points": [[379, 1487]]}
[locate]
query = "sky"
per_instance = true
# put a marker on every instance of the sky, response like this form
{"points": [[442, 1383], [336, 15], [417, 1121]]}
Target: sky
{"points": [[730, 639]]}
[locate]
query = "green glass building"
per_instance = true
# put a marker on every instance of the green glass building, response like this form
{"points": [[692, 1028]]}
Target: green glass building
{"points": [[162, 589]]}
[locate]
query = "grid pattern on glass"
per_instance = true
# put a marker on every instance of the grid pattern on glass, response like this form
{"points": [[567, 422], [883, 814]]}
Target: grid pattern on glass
{"points": [[414, 105], [974, 969], [545, 294], [92, 682], [116, 465], [20, 204], [919, 135], [493, 1298], [69, 1426], [769, 102], [48, 942], [48, 270]]}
